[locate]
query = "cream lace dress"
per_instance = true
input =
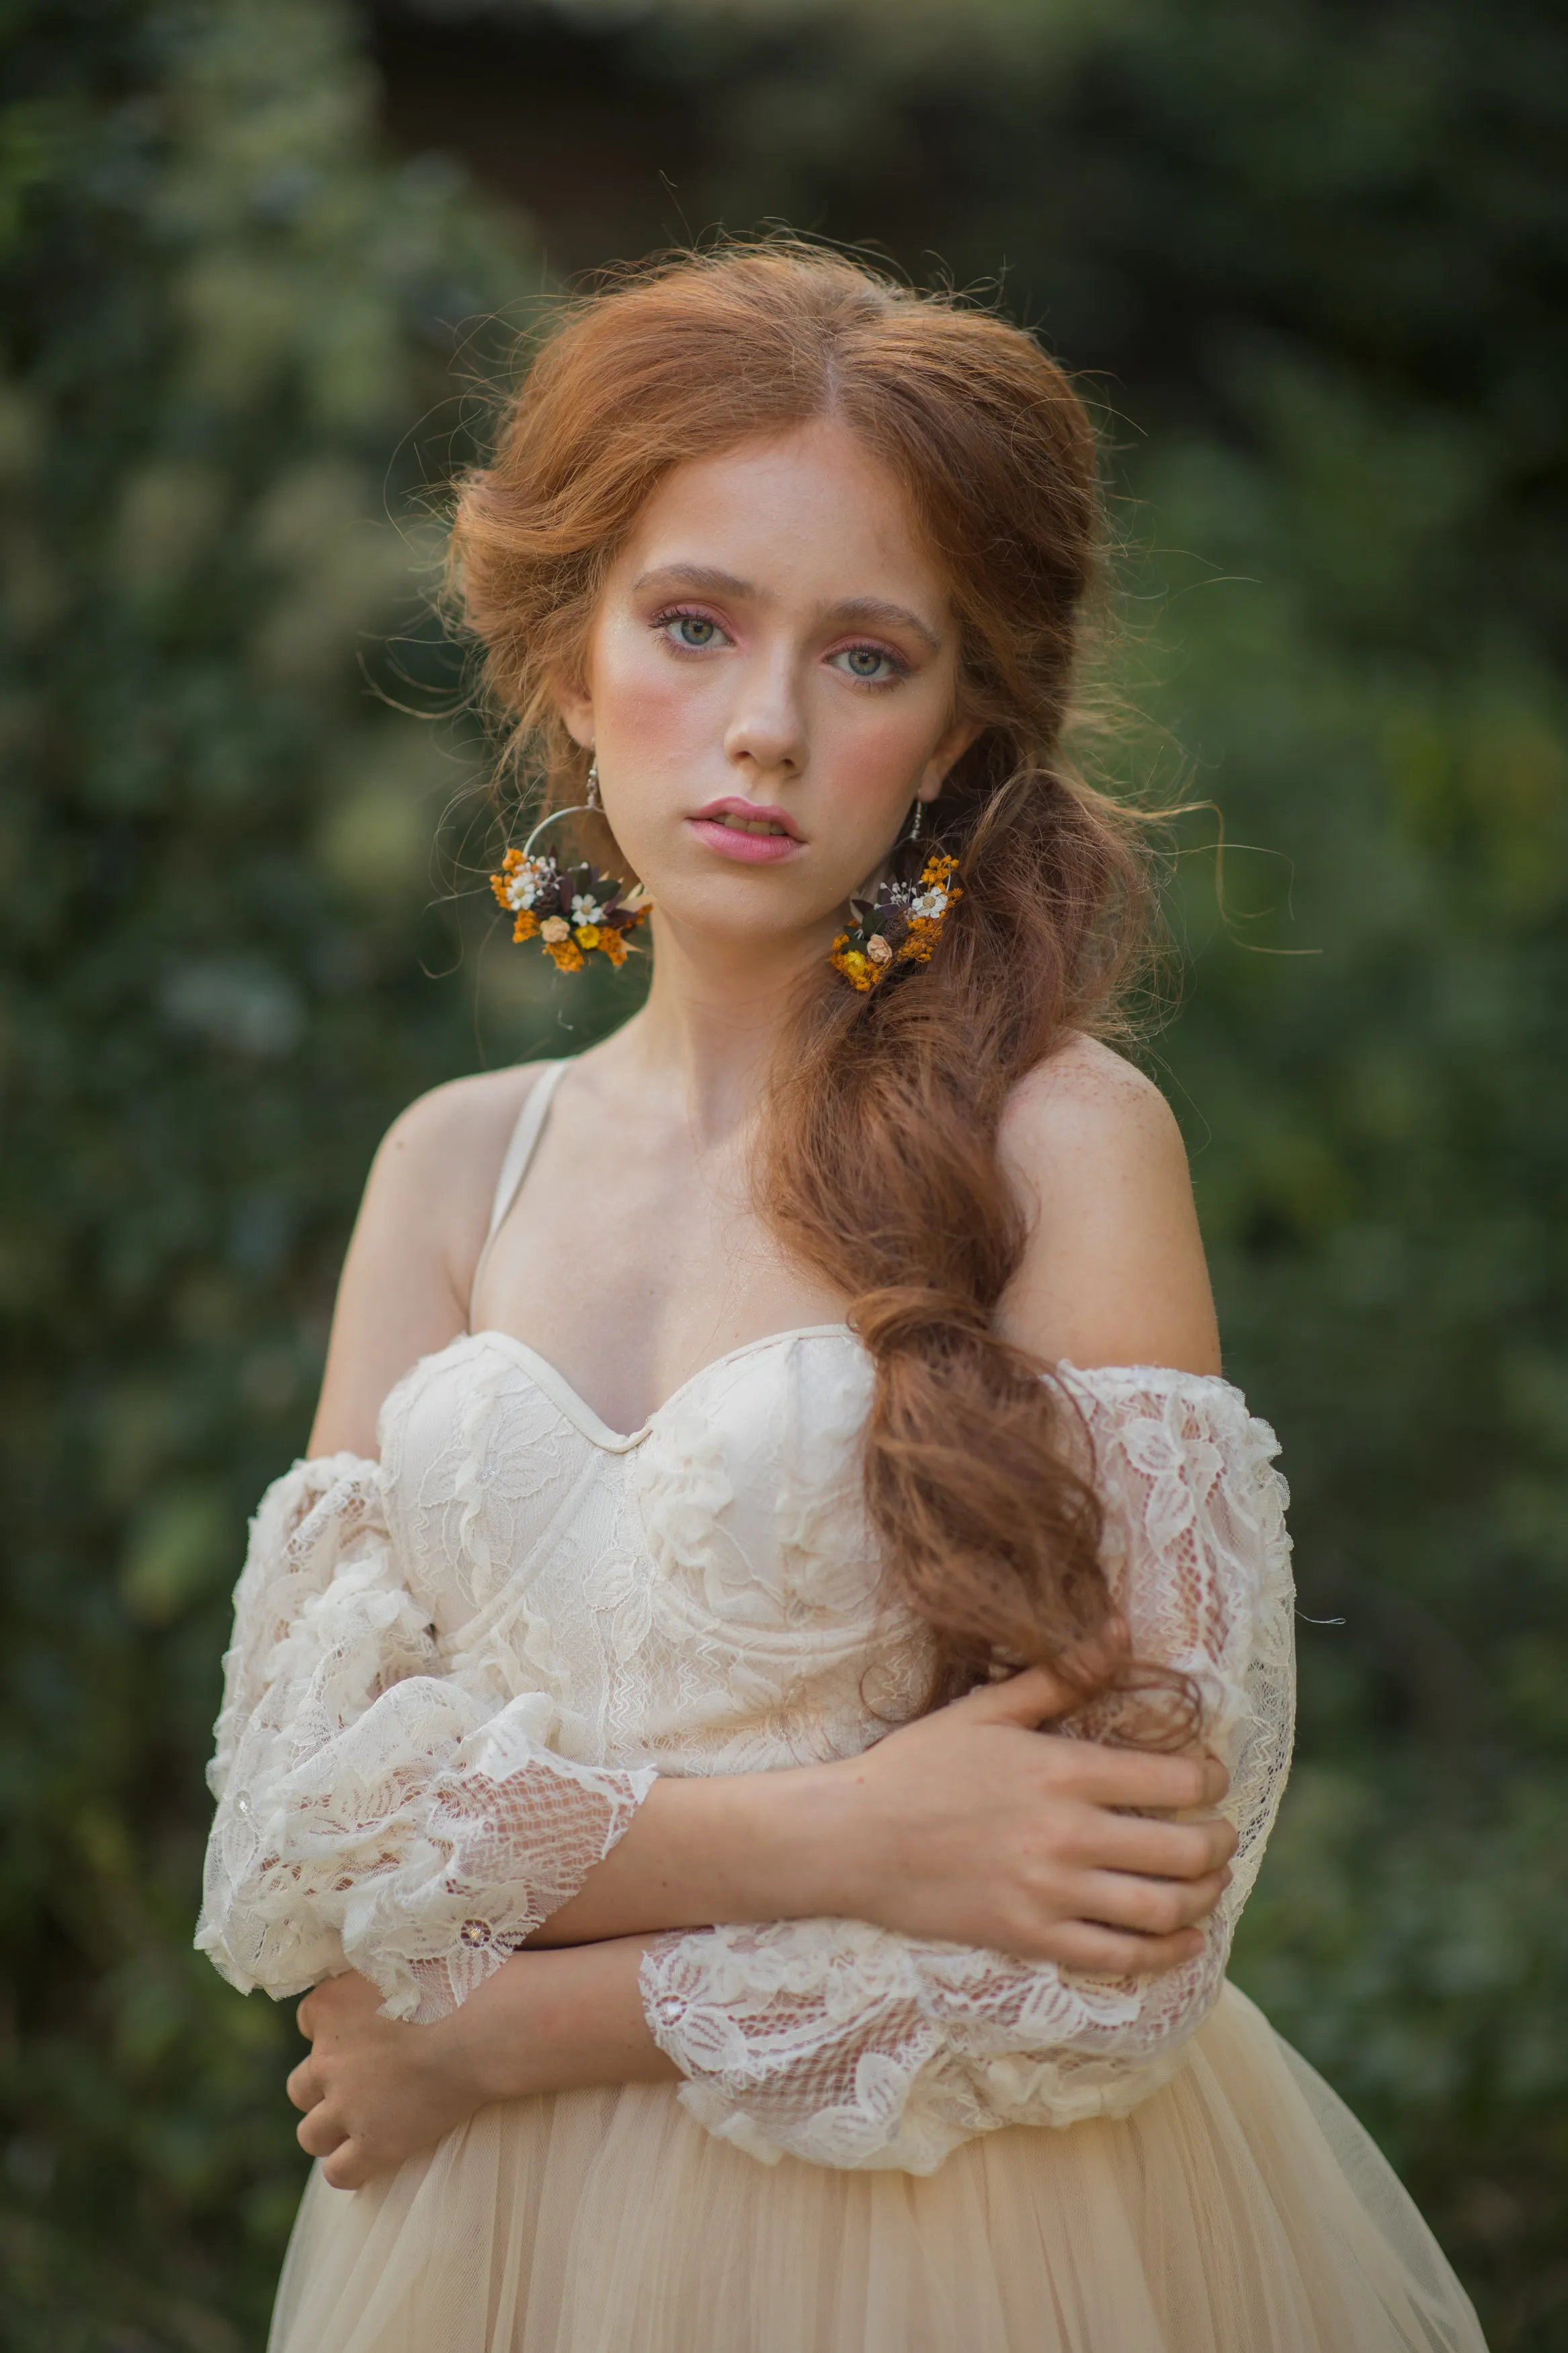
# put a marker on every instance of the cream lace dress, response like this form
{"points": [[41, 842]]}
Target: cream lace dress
{"points": [[457, 1674]]}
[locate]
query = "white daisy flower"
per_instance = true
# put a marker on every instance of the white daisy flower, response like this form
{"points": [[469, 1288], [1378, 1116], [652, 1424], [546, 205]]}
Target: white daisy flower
{"points": [[523, 885]]}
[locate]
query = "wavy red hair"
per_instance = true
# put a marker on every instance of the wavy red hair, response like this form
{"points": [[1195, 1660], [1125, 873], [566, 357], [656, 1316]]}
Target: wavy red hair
{"points": [[879, 1164]]}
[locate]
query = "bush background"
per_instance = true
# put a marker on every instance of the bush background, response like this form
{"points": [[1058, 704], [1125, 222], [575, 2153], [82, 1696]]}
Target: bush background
{"points": [[260, 259]]}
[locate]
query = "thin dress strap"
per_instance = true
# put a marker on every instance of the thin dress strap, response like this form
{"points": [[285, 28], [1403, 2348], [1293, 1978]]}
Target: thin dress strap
{"points": [[519, 1152]]}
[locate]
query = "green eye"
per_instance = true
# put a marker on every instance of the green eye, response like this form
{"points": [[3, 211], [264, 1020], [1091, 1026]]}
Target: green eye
{"points": [[868, 662], [694, 629]]}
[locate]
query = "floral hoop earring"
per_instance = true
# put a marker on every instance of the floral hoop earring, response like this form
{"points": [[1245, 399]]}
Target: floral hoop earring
{"points": [[573, 913], [905, 920]]}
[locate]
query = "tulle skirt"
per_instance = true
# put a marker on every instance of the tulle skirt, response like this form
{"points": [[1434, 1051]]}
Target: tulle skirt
{"points": [[1240, 2210]]}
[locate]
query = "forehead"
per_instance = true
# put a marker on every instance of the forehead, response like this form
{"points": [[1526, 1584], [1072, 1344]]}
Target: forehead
{"points": [[811, 513]]}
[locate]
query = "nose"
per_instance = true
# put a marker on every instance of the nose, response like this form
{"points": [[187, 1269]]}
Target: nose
{"points": [[767, 727]]}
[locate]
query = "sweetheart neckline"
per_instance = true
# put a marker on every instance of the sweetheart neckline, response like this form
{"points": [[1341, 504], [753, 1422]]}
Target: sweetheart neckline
{"points": [[553, 1383]]}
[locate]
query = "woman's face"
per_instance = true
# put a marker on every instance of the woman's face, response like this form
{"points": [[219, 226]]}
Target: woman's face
{"points": [[770, 684]]}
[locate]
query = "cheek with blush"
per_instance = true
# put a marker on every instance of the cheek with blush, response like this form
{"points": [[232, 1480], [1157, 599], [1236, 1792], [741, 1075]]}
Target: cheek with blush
{"points": [[867, 776], [658, 740]]}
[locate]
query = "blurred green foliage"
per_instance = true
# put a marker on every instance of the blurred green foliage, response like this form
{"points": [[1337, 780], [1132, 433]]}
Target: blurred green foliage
{"points": [[225, 314], [1317, 253]]}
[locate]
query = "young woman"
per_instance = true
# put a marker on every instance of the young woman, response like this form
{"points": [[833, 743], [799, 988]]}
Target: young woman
{"points": [[761, 1710]]}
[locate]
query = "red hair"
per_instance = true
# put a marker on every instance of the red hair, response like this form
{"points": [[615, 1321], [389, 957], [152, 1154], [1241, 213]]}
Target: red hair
{"points": [[878, 1167]]}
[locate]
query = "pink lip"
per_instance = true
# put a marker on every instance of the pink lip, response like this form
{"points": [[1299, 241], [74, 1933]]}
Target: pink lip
{"points": [[750, 849]]}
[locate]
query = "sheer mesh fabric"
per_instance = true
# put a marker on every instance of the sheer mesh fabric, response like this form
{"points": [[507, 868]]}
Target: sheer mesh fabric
{"points": [[1239, 2208], [849, 2045]]}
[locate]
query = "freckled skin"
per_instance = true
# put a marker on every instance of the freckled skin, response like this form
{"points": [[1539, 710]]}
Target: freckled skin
{"points": [[771, 707]]}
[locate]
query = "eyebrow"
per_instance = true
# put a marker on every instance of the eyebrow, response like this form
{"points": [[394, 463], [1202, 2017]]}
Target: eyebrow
{"points": [[873, 612]]}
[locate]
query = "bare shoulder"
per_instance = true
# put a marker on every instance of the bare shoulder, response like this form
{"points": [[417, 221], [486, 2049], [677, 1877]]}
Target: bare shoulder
{"points": [[1114, 1271], [434, 1174], [1086, 1102], [459, 1129], [421, 1226]]}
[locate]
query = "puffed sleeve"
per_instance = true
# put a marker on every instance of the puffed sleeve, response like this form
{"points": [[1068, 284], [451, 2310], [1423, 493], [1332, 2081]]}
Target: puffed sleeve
{"points": [[376, 1812], [850, 2045]]}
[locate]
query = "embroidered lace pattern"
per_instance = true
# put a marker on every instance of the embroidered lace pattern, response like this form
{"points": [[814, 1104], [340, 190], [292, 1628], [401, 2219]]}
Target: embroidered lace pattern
{"points": [[375, 1810], [848, 2045]]}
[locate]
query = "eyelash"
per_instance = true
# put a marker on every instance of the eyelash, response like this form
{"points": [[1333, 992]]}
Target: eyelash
{"points": [[662, 622], [900, 667]]}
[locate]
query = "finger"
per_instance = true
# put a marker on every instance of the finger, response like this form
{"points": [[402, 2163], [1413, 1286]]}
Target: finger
{"points": [[1084, 1944], [1153, 1907], [304, 2086], [334, 2001], [1135, 1778], [1104, 1841], [320, 2131], [347, 2168], [1027, 1698]]}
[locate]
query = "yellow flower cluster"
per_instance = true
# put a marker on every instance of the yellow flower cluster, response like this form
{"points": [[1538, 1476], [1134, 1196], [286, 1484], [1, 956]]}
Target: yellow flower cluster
{"points": [[853, 964]]}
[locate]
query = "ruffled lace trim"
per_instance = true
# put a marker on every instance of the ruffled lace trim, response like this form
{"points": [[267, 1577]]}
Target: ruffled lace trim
{"points": [[847, 2045], [374, 1812]]}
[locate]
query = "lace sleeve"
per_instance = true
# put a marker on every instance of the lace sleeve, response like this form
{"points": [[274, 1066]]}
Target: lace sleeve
{"points": [[374, 1812], [848, 2045]]}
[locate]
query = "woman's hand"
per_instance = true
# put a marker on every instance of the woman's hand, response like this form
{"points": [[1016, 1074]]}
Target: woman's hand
{"points": [[971, 1826], [968, 1825], [376, 2091]]}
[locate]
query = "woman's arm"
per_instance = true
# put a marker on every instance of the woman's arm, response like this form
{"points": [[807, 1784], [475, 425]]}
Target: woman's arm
{"points": [[1114, 1271], [968, 1825], [376, 2091], [774, 2024], [850, 2045], [403, 1291]]}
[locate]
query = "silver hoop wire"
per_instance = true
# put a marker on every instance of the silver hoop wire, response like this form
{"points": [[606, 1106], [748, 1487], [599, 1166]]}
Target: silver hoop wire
{"points": [[584, 808]]}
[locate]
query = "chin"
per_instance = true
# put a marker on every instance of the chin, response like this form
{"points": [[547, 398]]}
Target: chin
{"points": [[747, 907]]}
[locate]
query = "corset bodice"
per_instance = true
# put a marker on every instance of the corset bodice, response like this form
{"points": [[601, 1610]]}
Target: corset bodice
{"points": [[701, 1594]]}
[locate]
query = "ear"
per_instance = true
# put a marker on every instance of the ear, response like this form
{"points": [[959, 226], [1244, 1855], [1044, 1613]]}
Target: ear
{"points": [[576, 704], [950, 749]]}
